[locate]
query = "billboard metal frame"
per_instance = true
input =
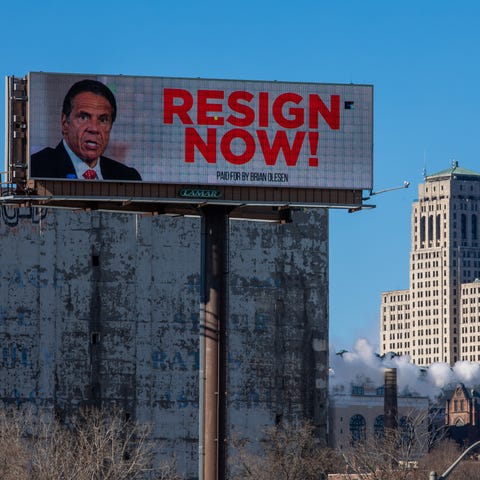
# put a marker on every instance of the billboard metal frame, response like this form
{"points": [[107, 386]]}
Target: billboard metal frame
{"points": [[262, 202]]}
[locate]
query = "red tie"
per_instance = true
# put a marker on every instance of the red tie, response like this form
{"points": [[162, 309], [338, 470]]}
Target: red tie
{"points": [[90, 175]]}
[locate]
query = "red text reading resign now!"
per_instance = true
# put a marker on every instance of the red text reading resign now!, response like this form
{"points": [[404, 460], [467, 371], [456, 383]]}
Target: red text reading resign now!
{"points": [[242, 110]]}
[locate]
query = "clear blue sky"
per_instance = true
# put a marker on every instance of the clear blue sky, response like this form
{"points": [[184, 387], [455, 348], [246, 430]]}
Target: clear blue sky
{"points": [[421, 56]]}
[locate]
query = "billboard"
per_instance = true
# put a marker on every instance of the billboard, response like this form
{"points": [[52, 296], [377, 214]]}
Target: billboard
{"points": [[204, 132]]}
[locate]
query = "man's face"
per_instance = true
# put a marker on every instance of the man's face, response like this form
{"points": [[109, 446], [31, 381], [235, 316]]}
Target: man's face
{"points": [[87, 129]]}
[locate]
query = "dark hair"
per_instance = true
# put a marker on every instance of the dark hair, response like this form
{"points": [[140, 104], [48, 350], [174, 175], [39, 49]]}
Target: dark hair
{"points": [[92, 86]]}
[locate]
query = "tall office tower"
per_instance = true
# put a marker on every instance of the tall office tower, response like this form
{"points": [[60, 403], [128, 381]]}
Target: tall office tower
{"points": [[438, 318]]}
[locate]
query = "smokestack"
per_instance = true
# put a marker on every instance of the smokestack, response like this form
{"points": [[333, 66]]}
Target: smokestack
{"points": [[390, 405]]}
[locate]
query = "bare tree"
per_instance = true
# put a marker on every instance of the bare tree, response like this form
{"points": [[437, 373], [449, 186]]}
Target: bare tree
{"points": [[13, 456], [94, 445], [168, 471], [441, 457], [395, 453], [97, 445], [289, 452]]}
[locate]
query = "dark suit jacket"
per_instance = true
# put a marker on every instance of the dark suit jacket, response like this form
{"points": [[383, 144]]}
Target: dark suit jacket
{"points": [[56, 163]]}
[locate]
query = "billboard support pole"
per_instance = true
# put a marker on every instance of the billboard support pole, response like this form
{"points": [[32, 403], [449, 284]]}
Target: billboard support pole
{"points": [[213, 357], [16, 141]]}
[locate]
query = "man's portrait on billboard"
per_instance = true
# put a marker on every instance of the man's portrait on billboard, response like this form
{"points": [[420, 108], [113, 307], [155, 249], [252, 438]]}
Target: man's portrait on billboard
{"points": [[184, 131], [88, 113]]}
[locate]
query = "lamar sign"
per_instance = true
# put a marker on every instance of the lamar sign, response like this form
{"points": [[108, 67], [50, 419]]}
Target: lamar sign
{"points": [[199, 193], [219, 132]]}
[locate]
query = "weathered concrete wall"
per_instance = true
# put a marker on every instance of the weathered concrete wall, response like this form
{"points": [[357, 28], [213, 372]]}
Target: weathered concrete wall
{"points": [[98, 308], [278, 339]]}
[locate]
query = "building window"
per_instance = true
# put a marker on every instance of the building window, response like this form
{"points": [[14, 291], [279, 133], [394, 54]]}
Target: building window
{"points": [[358, 429], [358, 390], [422, 229], [407, 431], [379, 427]]}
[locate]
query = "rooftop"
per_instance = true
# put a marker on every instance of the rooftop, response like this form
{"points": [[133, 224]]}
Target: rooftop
{"points": [[455, 171]]}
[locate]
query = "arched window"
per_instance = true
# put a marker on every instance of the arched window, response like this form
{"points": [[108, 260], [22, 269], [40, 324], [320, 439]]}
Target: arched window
{"points": [[422, 229], [437, 228], [474, 227], [379, 427], [358, 428], [407, 431]]}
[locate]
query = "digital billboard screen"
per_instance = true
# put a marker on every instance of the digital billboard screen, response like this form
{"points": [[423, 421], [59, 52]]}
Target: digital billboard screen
{"points": [[200, 131]]}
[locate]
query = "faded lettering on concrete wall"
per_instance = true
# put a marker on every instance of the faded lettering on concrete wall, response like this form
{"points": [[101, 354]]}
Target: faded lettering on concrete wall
{"points": [[99, 308], [11, 216]]}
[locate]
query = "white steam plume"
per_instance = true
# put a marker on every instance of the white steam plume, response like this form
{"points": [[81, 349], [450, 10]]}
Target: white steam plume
{"points": [[362, 365]]}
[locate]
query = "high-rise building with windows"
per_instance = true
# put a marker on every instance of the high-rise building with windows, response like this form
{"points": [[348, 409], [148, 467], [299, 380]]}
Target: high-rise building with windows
{"points": [[438, 318]]}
